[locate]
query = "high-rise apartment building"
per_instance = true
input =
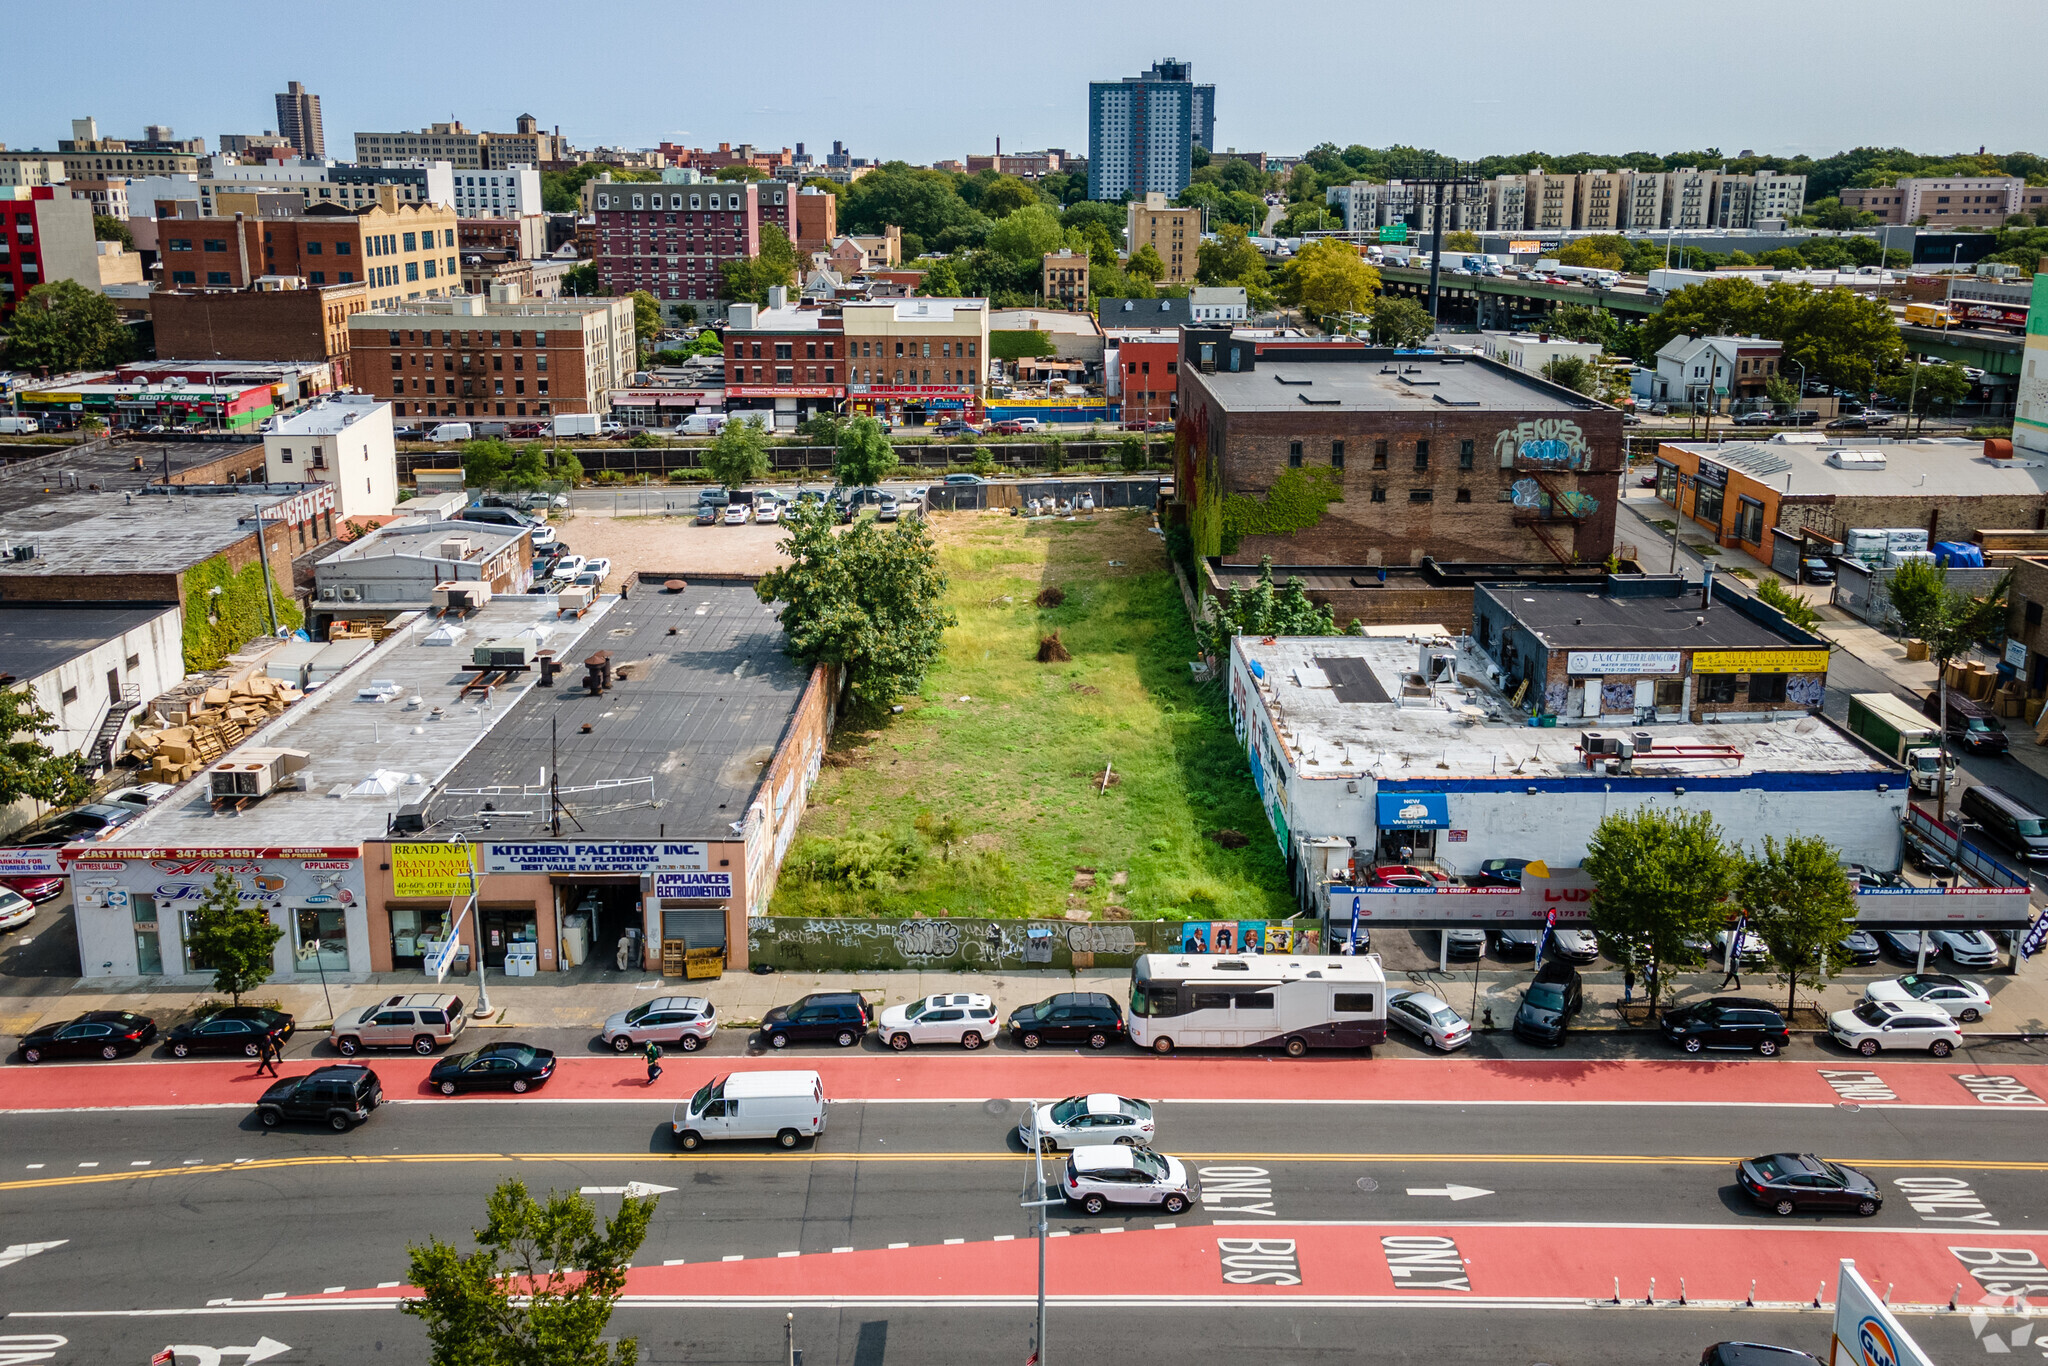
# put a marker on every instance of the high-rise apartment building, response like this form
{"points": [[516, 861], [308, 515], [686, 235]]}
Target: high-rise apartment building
{"points": [[1982, 200], [462, 148], [1642, 199], [1551, 201], [1142, 131], [1507, 203], [1602, 200], [674, 240], [298, 120], [1688, 198]]}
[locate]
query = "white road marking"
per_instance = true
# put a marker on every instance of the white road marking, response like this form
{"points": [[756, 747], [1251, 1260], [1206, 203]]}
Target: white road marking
{"points": [[334, 1290], [389, 1285], [676, 1261], [1166, 1225], [15, 1252], [143, 1163], [277, 1294], [1109, 1230], [88, 1164], [736, 1257], [1060, 1233], [789, 1254], [1456, 1193], [35, 1166], [1006, 1237], [952, 1242], [639, 1190], [842, 1249], [894, 1246]]}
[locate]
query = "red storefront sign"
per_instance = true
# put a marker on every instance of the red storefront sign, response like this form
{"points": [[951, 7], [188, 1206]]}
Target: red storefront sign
{"points": [[784, 391]]}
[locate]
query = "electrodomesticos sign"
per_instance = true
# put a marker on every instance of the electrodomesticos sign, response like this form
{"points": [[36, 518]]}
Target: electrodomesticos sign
{"points": [[1622, 661], [1760, 661], [693, 886], [427, 869]]}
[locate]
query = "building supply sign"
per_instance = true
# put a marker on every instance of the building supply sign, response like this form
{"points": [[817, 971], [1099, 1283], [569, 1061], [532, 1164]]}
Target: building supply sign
{"points": [[1603, 662], [693, 886], [1760, 661], [565, 857], [1413, 810], [431, 870]]}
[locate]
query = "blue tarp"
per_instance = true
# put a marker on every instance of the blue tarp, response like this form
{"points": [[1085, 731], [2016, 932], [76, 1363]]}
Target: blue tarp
{"points": [[1961, 554], [1412, 810]]}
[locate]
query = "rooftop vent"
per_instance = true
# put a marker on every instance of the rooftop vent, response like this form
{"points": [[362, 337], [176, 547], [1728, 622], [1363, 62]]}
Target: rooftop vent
{"points": [[1288, 377], [254, 772], [1856, 460]]}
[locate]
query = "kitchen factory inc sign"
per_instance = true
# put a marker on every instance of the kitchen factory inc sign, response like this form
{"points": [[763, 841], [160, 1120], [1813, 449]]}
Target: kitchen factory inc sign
{"points": [[562, 856]]}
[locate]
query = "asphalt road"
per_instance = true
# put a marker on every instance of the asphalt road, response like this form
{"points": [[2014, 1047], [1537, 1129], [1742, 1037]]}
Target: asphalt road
{"points": [[302, 1212]]}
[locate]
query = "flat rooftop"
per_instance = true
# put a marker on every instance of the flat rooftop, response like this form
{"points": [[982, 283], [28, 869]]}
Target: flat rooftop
{"points": [[351, 740], [1950, 468], [49, 475], [1466, 731], [37, 638], [328, 416], [120, 533], [423, 539], [676, 750], [1339, 382], [1573, 618]]}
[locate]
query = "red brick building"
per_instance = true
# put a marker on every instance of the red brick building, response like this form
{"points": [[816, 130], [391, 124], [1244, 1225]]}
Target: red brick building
{"points": [[784, 360], [401, 251], [262, 324], [817, 221], [512, 358], [45, 235], [1147, 372], [674, 240]]}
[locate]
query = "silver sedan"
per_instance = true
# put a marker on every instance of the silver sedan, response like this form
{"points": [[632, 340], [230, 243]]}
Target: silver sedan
{"points": [[1428, 1018]]}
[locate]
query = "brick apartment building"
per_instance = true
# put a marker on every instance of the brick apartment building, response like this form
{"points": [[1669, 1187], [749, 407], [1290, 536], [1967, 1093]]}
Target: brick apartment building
{"points": [[817, 221], [1174, 233], [1146, 373], [45, 235], [1063, 278], [403, 252], [1458, 458], [502, 357], [725, 157], [1982, 200], [278, 320], [916, 356], [784, 363], [674, 240]]}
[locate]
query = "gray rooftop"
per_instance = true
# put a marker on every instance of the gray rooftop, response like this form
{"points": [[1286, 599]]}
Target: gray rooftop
{"points": [[142, 533], [1468, 730], [350, 739], [1430, 384], [675, 750], [423, 539], [37, 639], [1573, 618], [59, 475], [1953, 468]]}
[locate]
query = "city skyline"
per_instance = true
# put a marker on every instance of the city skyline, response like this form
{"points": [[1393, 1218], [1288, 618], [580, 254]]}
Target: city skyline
{"points": [[1781, 87]]}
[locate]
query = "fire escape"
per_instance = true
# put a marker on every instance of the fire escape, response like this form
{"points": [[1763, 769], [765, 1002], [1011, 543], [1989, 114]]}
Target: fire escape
{"points": [[1559, 506]]}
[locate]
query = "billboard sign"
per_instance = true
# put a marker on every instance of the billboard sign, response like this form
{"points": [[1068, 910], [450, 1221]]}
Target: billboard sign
{"points": [[1394, 232], [427, 869], [30, 862], [1622, 662], [1760, 661], [693, 886]]}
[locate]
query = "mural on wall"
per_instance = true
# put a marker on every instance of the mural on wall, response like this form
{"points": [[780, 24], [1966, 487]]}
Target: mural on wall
{"points": [[1555, 443], [1808, 690], [803, 942], [1578, 504]]}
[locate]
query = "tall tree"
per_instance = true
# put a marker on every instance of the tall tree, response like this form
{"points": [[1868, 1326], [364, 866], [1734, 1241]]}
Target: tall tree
{"points": [[1145, 262], [232, 936], [28, 767], [1327, 278], [868, 601], [1661, 882], [1920, 387], [865, 456], [1398, 321], [1027, 234], [1232, 259], [540, 1288], [738, 454], [63, 326], [1573, 372], [485, 462], [1949, 622], [1840, 339], [107, 228], [581, 282], [1800, 906]]}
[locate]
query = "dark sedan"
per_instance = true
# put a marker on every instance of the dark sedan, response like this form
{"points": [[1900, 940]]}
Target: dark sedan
{"points": [[1515, 943], [1786, 1183], [497, 1067], [95, 1034], [1862, 947], [238, 1029], [1500, 872], [83, 826]]}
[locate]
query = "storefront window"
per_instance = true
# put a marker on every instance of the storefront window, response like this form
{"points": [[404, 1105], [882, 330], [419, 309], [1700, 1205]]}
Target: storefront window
{"points": [[1706, 504], [149, 955], [412, 932], [1667, 483], [1749, 521], [194, 961], [323, 941]]}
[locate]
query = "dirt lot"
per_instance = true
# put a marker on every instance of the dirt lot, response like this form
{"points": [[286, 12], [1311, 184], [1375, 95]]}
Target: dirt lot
{"points": [[671, 545]]}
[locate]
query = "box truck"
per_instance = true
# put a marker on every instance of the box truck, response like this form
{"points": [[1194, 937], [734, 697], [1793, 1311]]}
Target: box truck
{"points": [[1902, 734], [574, 424]]}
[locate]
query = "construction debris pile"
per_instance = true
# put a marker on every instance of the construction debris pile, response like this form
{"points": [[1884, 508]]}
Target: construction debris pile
{"points": [[203, 718]]}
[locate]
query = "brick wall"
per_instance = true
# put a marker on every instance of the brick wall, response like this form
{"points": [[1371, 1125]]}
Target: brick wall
{"points": [[234, 467], [459, 354], [1946, 518], [284, 324]]}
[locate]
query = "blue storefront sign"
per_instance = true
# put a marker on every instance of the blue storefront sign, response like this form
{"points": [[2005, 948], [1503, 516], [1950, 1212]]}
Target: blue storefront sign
{"points": [[1413, 810]]}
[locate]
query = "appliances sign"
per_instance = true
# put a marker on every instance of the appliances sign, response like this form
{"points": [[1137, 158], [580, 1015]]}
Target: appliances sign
{"points": [[693, 886]]}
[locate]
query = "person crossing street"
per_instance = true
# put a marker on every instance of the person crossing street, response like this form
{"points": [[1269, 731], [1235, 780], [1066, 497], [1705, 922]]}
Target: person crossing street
{"points": [[653, 1061]]}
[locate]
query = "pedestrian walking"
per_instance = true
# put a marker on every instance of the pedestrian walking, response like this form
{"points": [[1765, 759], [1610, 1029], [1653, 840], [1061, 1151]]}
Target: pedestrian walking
{"points": [[1650, 982], [268, 1054], [1628, 985], [653, 1061], [1734, 974]]}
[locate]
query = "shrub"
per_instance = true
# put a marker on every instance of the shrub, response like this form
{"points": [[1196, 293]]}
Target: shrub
{"points": [[983, 464]]}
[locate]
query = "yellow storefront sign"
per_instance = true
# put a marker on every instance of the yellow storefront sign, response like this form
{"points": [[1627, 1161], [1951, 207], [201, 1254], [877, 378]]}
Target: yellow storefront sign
{"points": [[1760, 661], [430, 869]]}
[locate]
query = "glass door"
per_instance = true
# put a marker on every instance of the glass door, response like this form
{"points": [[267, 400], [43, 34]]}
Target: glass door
{"points": [[323, 940], [149, 954]]}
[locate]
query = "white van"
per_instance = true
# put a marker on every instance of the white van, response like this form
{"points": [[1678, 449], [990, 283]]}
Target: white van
{"points": [[453, 431], [19, 426], [784, 1106], [701, 424]]}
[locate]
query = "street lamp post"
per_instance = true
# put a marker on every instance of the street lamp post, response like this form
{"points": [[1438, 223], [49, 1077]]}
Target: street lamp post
{"points": [[1037, 1357]]}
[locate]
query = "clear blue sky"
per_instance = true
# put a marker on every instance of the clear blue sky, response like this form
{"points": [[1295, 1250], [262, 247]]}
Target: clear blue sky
{"points": [[925, 81]]}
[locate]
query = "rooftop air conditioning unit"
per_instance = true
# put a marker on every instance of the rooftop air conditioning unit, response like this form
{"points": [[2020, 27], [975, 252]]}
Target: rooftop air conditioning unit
{"points": [[510, 653], [327, 595], [454, 548], [351, 595], [254, 772], [24, 553], [463, 595], [1597, 742]]}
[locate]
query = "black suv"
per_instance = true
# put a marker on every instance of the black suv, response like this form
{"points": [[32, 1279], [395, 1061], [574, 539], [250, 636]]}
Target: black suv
{"points": [[341, 1096], [1728, 1022], [841, 1016], [1549, 1003], [1070, 1017]]}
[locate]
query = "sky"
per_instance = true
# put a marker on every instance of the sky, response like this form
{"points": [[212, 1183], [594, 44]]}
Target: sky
{"points": [[921, 82]]}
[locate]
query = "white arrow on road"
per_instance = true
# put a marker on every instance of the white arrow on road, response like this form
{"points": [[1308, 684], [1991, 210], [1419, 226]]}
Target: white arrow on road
{"points": [[15, 1252], [1454, 1192], [264, 1350], [639, 1190]]}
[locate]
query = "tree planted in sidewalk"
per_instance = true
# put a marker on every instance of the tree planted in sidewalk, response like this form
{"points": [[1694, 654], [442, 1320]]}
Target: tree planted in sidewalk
{"points": [[1660, 885], [864, 457], [1949, 622], [539, 1289], [1800, 906], [232, 936]]}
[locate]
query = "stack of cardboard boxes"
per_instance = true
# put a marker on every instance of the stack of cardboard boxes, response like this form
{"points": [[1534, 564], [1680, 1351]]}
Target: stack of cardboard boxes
{"points": [[215, 718]]}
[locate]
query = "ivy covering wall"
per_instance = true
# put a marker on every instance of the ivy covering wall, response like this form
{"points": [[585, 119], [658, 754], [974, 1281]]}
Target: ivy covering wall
{"points": [[1016, 345], [1294, 503], [218, 624]]}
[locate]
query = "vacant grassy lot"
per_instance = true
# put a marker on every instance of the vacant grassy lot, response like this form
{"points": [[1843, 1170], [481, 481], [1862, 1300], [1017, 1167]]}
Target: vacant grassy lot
{"points": [[985, 795]]}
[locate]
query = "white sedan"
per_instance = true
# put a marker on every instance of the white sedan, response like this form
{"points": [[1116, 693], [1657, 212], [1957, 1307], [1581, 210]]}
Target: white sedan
{"points": [[1087, 1121], [567, 568], [965, 1018], [1429, 1019], [599, 565], [15, 909], [1097, 1178], [1873, 1026], [1754, 951], [1965, 1000]]}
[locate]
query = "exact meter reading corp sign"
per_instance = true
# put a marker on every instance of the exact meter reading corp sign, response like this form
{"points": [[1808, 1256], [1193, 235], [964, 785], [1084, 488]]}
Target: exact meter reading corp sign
{"points": [[1622, 661]]}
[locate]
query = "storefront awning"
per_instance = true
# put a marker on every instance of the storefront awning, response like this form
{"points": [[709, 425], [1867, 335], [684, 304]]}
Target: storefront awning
{"points": [[1412, 810]]}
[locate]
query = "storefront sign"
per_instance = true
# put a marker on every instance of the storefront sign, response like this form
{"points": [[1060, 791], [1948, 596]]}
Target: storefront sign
{"points": [[693, 886], [431, 870], [565, 857], [30, 862], [1622, 661], [1712, 475], [225, 853], [784, 391], [1412, 810], [1760, 661], [907, 390]]}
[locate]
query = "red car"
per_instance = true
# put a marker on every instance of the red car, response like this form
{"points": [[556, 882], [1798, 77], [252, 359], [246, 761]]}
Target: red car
{"points": [[36, 889], [1008, 427]]}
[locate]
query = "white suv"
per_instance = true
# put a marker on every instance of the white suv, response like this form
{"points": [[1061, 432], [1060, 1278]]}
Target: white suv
{"points": [[1873, 1026], [964, 1018], [1098, 1177]]}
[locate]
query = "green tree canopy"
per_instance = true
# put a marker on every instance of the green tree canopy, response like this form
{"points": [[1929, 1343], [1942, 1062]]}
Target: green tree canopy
{"points": [[28, 767], [1145, 262], [1920, 387], [62, 326], [1264, 611], [1598, 253], [1232, 259], [1027, 234], [232, 936], [540, 1287], [1003, 195], [1950, 622], [749, 280], [865, 455], [485, 462], [582, 282], [1109, 217], [1800, 907], [1661, 881], [1582, 322], [924, 203], [941, 280], [1399, 321], [646, 316], [107, 228], [1461, 241], [738, 454], [867, 600], [1573, 372], [1841, 338], [1327, 278]]}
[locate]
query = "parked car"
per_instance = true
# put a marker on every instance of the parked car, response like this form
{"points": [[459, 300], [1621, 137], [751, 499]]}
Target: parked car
{"points": [[1549, 1002], [1849, 424], [1754, 952], [1927, 858], [36, 888], [339, 1095], [1786, 1183], [1759, 418], [839, 1017], [86, 825], [1429, 1018], [1009, 426], [1515, 943], [1965, 948], [681, 1022], [95, 1034], [1972, 725], [1069, 1017], [16, 910], [1815, 571], [1465, 942], [965, 1018], [600, 565], [1574, 945], [238, 1029], [737, 514], [1087, 1121], [1864, 878], [495, 1067], [768, 512], [1098, 1177], [1862, 946], [1727, 1022], [567, 568], [141, 796], [2007, 820], [708, 514], [1964, 1000], [954, 427], [965, 479], [1870, 1027], [422, 1021], [1647, 479], [1500, 872], [1904, 945]]}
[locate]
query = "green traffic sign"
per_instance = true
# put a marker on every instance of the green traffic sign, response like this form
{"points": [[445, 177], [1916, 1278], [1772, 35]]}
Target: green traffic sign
{"points": [[1394, 232]]}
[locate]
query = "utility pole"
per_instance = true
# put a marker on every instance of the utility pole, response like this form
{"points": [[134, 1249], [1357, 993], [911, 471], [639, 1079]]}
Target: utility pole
{"points": [[1037, 1357]]}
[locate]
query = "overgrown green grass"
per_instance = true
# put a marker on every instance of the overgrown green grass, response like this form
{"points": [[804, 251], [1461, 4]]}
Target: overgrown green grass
{"points": [[985, 797]]}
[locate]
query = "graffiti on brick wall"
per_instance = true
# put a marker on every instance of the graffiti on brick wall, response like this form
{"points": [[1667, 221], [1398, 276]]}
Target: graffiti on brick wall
{"points": [[917, 939], [1552, 442], [1808, 690], [1527, 493], [793, 942]]}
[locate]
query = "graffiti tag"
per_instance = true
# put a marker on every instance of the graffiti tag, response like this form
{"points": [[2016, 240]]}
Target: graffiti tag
{"points": [[1555, 442]]}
